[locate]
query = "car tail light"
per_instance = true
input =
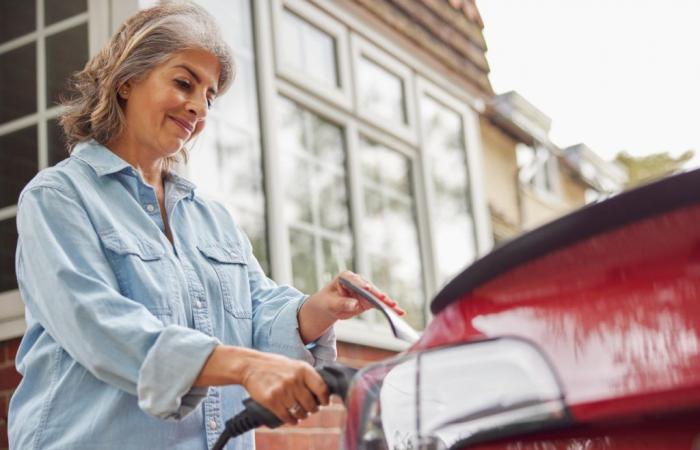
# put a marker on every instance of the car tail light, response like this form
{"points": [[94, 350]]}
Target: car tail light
{"points": [[454, 396]]}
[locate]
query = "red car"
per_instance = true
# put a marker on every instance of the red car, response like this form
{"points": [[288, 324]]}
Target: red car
{"points": [[582, 334]]}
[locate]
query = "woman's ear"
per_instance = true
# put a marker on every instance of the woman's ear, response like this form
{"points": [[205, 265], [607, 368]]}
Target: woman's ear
{"points": [[124, 90]]}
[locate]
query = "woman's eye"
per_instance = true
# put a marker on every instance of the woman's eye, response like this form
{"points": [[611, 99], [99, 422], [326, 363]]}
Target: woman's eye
{"points": [[183, 84], [209, 102]]}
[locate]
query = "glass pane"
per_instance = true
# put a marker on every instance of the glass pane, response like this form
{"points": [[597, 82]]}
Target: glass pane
{"points": [[18, 82], [303, 262], [454, 228], [57, 142], [390, 228], [381, 92], [55, 10], [333, 203], [297, 208], [337, 257], [8, 244], [235, 20], [308, 49], [66, 52], [326, 140], [384, 166], [18, 163], [18, 17]]}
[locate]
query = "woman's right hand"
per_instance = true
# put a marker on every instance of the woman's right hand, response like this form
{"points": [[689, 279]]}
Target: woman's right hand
{"points": [[276, 382]]}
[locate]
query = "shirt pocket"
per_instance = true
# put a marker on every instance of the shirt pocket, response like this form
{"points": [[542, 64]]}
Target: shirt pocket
{"points": [[232, 272], [141, 271]]}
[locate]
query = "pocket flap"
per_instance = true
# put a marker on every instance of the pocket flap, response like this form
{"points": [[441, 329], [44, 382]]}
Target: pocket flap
{"points": [[126, 244], [223, 253]]}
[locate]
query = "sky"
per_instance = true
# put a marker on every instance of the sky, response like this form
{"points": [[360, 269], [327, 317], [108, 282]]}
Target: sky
{"points": [[613, 74]]}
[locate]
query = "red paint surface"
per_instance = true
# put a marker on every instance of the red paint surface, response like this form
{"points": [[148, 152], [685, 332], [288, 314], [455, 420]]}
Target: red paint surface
{"points": [[618, 316]]}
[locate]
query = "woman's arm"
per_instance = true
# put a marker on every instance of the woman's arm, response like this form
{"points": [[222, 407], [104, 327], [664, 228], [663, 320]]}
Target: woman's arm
{"points": [[332, 303], [274, 381]]}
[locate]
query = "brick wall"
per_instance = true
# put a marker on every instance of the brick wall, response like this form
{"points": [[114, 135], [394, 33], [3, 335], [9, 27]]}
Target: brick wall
{"points": [[9, 379], [319, 432]]}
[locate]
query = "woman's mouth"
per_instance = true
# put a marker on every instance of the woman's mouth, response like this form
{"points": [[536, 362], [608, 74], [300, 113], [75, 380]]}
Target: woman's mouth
{"points": [[182, 124]]}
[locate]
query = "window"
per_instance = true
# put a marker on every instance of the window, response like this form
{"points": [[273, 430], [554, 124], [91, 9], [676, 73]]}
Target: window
{"points": [[539, 169], [390, 229], [384, 90], [444, 146], [226, 163], [312, 50], [316, 204], [41, 44]]}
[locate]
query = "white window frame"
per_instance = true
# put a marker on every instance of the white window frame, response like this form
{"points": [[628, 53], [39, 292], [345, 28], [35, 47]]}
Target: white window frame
{"points": [[12, 323], [361, 48], [471, 137], [342, 95]]}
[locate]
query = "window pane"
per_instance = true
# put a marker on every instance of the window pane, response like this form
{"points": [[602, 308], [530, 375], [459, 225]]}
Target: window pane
{"points": [[454, 228], [55, 10], [18, 82], [66, 52], [301, 245], [18, 163], [18, 18], [381, 92], [390, 229], [8, 244], [337, 256], [314, 181], [56, 141], [308, 49]]}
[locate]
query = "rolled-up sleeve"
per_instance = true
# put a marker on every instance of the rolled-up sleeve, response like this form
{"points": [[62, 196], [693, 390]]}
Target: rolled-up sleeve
{"points": [[69, 287], [275, 318]]}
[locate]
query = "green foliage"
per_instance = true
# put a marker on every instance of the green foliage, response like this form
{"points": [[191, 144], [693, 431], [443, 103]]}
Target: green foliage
{"points": [[643, 169]]}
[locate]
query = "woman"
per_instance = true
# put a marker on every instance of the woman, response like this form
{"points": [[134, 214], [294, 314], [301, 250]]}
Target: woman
{"points": [[148, 317]]}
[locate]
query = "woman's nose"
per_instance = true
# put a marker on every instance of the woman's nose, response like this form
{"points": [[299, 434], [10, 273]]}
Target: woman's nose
{"points": [[198, 108]]}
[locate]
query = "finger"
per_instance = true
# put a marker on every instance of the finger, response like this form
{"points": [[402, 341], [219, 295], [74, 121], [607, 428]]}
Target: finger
{"points": [[306, 400], [282, 413], [317, 387]]}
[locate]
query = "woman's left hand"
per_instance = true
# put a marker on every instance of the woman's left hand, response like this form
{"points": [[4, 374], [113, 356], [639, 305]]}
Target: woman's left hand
{"points": [[335, 302], [343, 303]]}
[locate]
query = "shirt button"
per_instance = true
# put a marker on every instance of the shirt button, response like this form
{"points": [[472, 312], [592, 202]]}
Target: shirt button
{"points": [[199, 304], [212, 424], [150, 208]]}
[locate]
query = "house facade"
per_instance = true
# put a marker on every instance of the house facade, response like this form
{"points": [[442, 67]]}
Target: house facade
{"points": [[359, 134]]}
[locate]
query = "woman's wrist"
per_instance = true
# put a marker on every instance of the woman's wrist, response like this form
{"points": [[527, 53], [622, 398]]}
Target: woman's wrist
{"points": [[226, 364], [314, 318]]}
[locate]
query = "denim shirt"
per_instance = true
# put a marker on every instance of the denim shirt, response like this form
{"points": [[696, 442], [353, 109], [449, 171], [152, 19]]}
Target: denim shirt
{"points": [[120, 321]]}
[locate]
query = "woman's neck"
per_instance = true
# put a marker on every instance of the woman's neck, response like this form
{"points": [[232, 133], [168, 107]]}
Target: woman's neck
{"points": [[144, 161]]}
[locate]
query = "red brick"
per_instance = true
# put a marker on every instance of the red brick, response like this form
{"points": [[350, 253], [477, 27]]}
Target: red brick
{"points": [[270, 440], [3, 436], [9, 378], [326, 441], [299, 441], [3, 406], [11, 348]]}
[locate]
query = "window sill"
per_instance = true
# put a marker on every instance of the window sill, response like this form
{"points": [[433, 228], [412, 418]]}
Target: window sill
{"points": [[12, 323]]}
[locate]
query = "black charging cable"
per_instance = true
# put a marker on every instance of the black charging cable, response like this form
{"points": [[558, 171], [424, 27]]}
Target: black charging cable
{"points": [[254, 415]]}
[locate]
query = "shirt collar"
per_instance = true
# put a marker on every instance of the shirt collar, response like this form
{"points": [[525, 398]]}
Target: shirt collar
{"points": [[105, 162], [102, 160]]}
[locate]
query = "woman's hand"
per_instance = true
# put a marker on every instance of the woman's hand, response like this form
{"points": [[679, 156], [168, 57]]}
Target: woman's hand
{"points": [[335, 302], [289, 388]]}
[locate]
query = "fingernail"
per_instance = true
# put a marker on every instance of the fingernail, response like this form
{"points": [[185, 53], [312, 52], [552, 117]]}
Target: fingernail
{"points": [[351, 306]]}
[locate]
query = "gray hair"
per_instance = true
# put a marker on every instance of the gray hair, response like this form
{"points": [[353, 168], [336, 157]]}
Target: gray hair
{"points": [[146, 40]]}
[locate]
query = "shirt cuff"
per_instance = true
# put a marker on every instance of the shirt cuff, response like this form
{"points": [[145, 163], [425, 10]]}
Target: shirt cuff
{"points": [[170, 368], [285, 338]]}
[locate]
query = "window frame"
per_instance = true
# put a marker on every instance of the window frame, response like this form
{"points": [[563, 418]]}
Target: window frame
{"points": [[342, 95], [362, 48], [471, 138]]}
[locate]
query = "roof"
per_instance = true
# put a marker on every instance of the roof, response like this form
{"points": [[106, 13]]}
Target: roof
{"points": [[469, 9], [665, 195]]}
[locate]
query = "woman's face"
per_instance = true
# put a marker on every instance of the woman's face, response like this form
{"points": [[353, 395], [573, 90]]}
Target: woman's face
{"points": [[168, 107]]}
